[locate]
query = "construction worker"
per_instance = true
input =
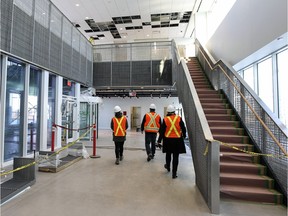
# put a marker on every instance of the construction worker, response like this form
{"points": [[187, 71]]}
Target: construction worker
{"points": [[173, 133], [151, 124], [119, 125]]}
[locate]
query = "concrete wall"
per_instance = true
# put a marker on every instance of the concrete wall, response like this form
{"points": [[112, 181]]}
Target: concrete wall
{"points": [[249, 26], [126, 104]]}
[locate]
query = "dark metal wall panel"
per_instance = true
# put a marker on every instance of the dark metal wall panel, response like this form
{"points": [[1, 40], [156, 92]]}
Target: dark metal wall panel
{"points": [[55, 52], [141, 73], [22, 34], [76, 74], [162, 72], [6, 23], [83, 69], [102, 74], [89, 77], [66, 60], [41, 45], [120, 73]]}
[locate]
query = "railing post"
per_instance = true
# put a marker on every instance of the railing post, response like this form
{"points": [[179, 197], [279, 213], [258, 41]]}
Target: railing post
{"points": [[94, 143], [53, 137]]}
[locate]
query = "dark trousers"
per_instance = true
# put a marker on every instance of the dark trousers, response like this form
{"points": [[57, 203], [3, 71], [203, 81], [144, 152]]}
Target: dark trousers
{"points": [[174, 162], [150, 140], [119, 149]]}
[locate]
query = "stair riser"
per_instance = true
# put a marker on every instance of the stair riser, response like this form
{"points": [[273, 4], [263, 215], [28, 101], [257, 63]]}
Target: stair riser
{"points": [[261, 183], [227, 131], [231, 139], [224, 148], [223, 124], [218, 111], [214, 106], [246, 170], [220, 117], [234, 158], [273, 199]]}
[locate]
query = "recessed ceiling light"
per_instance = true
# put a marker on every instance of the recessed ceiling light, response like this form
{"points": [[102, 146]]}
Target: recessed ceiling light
{"points": [[148, 35], [77, 5]]}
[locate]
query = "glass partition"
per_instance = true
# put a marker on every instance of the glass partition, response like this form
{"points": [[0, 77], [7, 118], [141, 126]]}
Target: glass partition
{"points": [[33, 110], [51, 107], [13, 137]]}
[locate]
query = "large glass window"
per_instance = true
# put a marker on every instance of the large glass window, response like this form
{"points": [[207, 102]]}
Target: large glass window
{"points": [[33, 110], [51, 107], [13, 137], [265, 82], [282, 85], [249, 77]]}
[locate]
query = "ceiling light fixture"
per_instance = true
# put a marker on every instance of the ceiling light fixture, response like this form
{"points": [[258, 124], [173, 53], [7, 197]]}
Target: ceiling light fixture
{"points": [[77, 5]]}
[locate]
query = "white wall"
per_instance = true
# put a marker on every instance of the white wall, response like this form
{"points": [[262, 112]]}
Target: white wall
{"points": [[106, 108], [249, 26]]}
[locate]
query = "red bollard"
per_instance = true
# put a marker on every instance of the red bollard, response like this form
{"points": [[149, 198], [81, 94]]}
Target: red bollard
{"points": [[94, 143], [53, 137]]}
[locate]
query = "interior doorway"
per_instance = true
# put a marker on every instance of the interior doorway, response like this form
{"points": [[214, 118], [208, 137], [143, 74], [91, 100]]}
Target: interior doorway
{"points": [[135, 118]]}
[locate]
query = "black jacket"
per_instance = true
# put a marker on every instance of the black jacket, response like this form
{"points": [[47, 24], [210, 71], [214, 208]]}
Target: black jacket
{"points": [[171, 145]]}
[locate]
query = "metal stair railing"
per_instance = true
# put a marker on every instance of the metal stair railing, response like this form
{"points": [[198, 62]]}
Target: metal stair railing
{"points": [[267, 132]]}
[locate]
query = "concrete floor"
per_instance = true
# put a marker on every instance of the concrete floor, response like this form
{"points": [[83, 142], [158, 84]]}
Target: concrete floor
{"points": [[135, 187]]}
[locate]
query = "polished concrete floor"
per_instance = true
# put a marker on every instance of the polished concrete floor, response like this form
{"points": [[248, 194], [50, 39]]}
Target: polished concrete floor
{"points": [[135, 187]]}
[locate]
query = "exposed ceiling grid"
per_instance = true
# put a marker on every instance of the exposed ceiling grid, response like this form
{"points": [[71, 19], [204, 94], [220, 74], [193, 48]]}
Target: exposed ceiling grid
{"points": [[165, 25]]}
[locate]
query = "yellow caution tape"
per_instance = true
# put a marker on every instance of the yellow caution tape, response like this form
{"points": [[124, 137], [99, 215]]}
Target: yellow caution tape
{"points": [[242, 150], [41, 160]]}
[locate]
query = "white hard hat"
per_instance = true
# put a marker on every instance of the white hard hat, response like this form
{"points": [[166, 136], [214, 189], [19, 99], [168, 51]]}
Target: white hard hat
{"points": [[117, 109], [152, 106], [170, 109]]}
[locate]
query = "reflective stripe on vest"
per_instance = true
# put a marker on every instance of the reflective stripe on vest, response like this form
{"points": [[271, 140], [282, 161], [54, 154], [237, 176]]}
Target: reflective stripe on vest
{"points": [[153, 124], [119, 131], [173, 130]]}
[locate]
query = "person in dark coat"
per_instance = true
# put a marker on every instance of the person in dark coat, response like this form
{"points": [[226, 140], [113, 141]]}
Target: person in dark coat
{"points": [[173, 133], [119, 125]]}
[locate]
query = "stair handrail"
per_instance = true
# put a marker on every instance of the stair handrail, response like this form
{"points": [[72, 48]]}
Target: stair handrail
{"points": [[246, 101]]}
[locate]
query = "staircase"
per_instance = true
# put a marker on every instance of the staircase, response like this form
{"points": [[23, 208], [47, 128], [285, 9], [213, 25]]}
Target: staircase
{"points": [[241, 175]]}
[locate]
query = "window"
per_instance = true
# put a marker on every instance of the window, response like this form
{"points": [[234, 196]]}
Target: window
{"points": [[282, 65], [249, 77], [265, 82], [51, 107]]}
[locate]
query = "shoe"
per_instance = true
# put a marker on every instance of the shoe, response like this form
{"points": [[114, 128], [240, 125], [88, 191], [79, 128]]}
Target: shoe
{"points": [[166, 167], [121, 158], [174, 176], [117, 161], [152, 156], [149, 158]]}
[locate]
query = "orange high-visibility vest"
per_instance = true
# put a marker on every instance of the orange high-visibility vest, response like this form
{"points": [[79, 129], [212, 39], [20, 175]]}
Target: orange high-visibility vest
{"points": [[173, 129], [152, 122], [119, 126]]}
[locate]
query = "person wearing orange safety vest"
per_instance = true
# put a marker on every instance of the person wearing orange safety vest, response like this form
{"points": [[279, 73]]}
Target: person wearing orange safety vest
{"points": [[173, 133], [151, 124], [119, 125]]}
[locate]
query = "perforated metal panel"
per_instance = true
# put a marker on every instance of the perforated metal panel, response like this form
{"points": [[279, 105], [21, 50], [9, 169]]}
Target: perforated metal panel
{"points": [[6, 23], [22, 33], [41, 45], [121, 73], [102, 74], [55, 52], [141, 73]]}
